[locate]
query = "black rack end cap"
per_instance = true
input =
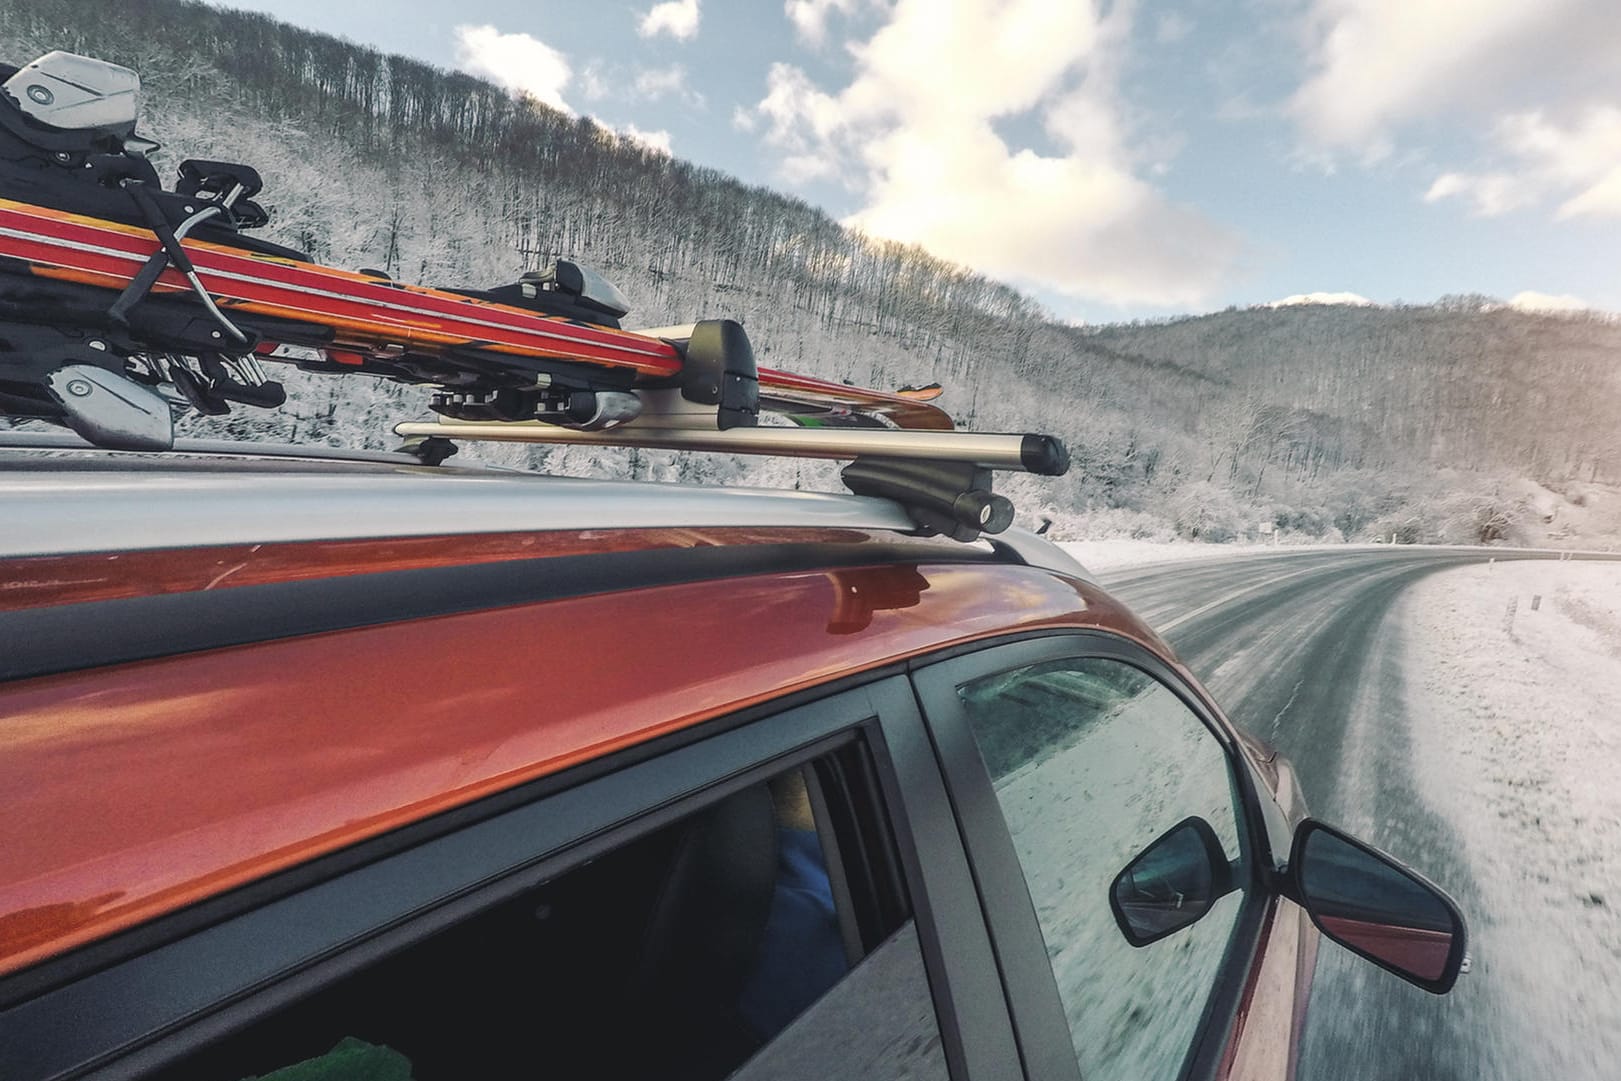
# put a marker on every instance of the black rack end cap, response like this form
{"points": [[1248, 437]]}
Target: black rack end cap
{"points": [[1044, 455], [431, 450]]}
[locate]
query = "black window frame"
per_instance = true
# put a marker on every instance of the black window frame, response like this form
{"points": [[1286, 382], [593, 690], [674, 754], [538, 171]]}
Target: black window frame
{"points": [[149, 1010], [1031, 988]]}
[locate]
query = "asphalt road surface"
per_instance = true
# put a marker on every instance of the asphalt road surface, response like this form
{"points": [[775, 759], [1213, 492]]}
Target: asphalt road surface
{"points": [[1302, 649]]}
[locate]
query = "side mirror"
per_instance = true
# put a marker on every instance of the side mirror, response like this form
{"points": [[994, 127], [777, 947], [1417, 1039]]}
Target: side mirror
{"points": [[1171, 884], [1378, 908]]}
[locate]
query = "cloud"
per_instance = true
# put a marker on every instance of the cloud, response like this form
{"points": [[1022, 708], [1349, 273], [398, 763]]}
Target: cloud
{"points": [[517, 62], [1528, 87], [654, 84], [1576, 163], [1530, 301], [651, 140], [918, 143], [678, 18], [524, 64], [1488, 194], [1171, 27], [810, 16], [593, 84], [1378, 65]]}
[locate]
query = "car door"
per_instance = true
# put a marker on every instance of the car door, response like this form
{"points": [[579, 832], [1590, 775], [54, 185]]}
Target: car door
{"points": [[782, 894], [1066, 757]]}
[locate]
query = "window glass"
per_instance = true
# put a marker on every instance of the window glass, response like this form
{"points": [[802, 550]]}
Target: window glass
{"points": [[683, 954], [877, 1023], [1092, 761]]}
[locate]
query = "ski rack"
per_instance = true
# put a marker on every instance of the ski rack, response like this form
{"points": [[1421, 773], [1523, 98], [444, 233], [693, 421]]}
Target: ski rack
{"points": [[123, 303], [942, 478], [1029, 453]]}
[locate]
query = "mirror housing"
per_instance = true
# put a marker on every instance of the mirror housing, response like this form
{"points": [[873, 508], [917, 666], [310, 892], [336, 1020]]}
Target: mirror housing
{"points": [[1377, 907], [1170, 884]]}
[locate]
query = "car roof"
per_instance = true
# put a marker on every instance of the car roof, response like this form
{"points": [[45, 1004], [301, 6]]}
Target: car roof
{"points": [[136, 795], [61, 505], [64, 499]]}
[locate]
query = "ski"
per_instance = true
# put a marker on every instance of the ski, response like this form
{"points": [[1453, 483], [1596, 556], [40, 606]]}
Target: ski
{"points": [[362, 321], [124, 298]]}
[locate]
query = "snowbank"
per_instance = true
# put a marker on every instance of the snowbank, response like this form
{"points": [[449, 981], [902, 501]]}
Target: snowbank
{"points": [[1514, 685], [1110, 555]]}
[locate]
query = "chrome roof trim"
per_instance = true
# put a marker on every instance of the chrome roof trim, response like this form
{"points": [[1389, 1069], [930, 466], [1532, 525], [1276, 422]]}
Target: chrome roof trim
{"points": [[1037, 551], [52, 506]]}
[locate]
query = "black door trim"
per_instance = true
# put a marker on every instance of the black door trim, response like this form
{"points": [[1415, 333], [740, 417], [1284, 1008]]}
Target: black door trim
{"points": [[951, 926]]}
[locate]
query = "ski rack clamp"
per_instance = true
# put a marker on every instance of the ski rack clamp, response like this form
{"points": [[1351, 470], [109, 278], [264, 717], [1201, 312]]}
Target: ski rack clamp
{"points": [[717, 369], [951, 498]]}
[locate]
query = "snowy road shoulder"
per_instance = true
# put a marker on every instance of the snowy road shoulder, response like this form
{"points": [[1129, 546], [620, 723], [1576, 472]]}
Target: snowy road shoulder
{"points": [[1102, 557], [1513, 679]]}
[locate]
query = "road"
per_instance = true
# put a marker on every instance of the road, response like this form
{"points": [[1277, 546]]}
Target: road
{"points": [[1304, 649]]}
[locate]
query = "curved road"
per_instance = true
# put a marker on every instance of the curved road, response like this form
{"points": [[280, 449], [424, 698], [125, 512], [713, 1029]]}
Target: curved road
{"points": [[1302, 648]]}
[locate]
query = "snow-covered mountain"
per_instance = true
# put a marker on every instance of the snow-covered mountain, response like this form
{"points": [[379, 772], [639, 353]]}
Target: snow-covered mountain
{"points": [[1355, 300], [1532, 301]]}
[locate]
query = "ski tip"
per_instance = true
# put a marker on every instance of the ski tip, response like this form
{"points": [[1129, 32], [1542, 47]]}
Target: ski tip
{"points": [[926, 393]]}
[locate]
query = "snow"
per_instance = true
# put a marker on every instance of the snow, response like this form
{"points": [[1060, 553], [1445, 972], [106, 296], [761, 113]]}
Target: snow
{"points": [[1516, 733], [1508, 724], [1533, 301], [1109, 555], [1355, 300]]}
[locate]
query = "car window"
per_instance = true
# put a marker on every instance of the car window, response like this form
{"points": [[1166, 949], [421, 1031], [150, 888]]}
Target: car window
{"points": [[731, 938], [877, 1023], [1092, 760]]}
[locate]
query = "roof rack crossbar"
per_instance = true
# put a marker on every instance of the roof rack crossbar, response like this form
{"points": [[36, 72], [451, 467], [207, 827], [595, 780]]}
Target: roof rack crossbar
{"points": [[1028, 453]]}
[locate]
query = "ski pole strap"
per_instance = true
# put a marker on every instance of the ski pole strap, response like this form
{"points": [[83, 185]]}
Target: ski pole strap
{"points": [[169, 253], [159, 225], [138, 288]]}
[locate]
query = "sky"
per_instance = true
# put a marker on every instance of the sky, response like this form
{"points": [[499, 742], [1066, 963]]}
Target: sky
{"points": [[1115, 160]]}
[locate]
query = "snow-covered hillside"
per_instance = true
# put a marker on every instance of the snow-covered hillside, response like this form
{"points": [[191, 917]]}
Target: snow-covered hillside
{"points": [[1321, 418]]}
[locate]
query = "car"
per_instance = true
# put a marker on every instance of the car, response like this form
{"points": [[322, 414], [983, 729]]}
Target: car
{"points": [[362, 765], [334, 764]]}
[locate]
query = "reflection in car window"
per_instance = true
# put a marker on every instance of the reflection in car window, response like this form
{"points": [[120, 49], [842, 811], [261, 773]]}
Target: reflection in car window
{"points": [[350, 1060], [878, 1023], [1093, 760], [729, 937]]}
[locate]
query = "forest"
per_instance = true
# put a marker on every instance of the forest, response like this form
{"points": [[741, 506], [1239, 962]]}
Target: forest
{"points": [[1460, 420]]}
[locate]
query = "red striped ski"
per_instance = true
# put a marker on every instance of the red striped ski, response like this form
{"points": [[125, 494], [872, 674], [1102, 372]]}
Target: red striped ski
{"points": [[365, 315]]}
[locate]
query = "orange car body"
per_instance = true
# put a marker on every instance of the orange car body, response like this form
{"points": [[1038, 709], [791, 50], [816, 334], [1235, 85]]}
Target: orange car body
{"points": [[150, 767]]}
